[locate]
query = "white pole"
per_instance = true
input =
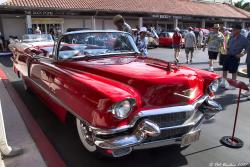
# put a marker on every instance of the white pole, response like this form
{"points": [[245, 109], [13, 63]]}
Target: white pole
{"points": [[175, 23], [29, 24], [203, 23], [225, 23], [140, 22], [93, 25]]}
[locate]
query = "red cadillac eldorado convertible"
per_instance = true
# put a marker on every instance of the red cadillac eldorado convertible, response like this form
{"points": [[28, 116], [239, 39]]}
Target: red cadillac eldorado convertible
{"points": [[120, 100]]}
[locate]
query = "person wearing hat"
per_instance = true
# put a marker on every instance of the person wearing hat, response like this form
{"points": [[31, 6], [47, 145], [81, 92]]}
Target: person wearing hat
{"points": [[214, 42], [247, 93], [177, 43], [38, 31], [121, 25], [142, 41], [190, 42], [237, 47]]}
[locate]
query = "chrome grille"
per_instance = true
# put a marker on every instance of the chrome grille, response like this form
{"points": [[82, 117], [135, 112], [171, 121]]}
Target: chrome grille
{"points": [[171, 119], [169, 133]]}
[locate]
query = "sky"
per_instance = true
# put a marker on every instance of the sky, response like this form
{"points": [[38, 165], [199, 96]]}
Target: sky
{"points": [[238, 0], [2, 1]]}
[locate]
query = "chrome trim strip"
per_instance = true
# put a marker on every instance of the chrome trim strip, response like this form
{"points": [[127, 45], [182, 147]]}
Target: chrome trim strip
{"points": [[179, 126], [158, 143], [56, 100]]}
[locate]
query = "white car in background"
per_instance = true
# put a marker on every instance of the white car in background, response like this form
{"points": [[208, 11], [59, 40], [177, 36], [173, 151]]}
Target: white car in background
{"points": [[31, 40]]}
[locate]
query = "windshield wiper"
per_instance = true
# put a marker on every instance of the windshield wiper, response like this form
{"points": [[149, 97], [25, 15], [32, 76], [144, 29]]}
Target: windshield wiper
{"points": [[119, 53], [81, 57]]}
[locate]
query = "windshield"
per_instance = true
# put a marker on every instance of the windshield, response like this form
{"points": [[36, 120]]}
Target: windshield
{"points": [[93, 44], [37, 37]]}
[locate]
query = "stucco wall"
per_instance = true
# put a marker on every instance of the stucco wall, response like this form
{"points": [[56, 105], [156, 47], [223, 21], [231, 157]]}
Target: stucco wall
{"points": [[13, 26], [73, 23]]}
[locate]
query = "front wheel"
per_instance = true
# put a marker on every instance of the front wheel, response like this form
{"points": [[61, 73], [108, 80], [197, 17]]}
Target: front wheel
{"points": [[85, 136]]}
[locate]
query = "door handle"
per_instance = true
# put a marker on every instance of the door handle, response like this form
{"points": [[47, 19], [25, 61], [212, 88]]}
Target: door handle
{"points": [[53, 90]]}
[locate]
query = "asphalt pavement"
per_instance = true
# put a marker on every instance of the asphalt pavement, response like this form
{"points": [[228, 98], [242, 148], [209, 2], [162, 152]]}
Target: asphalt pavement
{"points": [[206, 152]]}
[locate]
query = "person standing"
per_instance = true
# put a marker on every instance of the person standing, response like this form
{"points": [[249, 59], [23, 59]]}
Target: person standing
{"points": [[200, 38], [247, 93], [38, 31], [237, 47], [142, 41], [134, 33], [223, 48], [121, 25], [177, 38], [214, 41], [190, 42], [5, 149]]}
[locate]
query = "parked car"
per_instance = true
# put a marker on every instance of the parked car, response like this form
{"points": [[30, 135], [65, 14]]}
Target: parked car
{"points": [[119, 100], [30, 40], [166, 39]]}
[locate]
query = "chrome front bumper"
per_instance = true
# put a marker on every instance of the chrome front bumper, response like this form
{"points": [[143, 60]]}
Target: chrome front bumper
{"points": [[147, 129], [144, 129]]}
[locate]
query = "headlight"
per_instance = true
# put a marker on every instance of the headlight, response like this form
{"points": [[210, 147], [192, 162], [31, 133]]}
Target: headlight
{"points": [[214, 86], [122, 109]]}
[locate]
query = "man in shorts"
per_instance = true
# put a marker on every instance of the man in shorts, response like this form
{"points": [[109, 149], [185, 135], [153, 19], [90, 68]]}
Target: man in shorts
{"points": [[214, 41], [237, 47], [177, 38], [190, 42], [247, 93]]}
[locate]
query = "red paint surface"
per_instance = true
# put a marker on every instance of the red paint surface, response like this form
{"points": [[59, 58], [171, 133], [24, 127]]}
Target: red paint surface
{"points": [[90, 87], [49, 154]]}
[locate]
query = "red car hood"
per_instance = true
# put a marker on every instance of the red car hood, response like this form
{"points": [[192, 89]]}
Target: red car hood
{"points": [[151, 78]]}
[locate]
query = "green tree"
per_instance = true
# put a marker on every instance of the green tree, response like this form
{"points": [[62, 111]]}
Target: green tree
{"points": [[243, 5]]}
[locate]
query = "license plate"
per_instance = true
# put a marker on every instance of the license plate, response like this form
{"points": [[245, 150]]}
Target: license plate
{"points": [[189, 138]]}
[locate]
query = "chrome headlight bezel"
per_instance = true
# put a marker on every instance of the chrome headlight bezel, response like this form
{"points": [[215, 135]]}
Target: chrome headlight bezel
{"points": [[122, 109], [214, 85]]}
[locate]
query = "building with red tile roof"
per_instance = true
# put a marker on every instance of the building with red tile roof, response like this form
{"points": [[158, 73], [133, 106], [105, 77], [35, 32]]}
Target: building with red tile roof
{"points": [[97, 14]]}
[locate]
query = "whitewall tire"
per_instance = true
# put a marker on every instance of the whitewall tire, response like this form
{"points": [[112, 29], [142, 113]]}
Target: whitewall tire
{"points": [[85, 136]]}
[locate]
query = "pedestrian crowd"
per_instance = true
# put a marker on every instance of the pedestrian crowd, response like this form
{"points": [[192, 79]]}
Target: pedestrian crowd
{"points": [[229, 45]]}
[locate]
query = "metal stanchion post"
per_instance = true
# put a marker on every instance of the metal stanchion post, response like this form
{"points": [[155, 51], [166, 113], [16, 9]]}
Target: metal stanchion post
{"points": [[232, 141]]}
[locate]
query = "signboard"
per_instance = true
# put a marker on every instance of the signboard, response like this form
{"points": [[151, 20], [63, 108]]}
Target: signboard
{"points": [[161, 16], [42, 13], [228, 20]]}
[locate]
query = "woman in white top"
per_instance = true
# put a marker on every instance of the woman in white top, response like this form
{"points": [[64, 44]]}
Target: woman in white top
{"points": [[142, 41]]}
